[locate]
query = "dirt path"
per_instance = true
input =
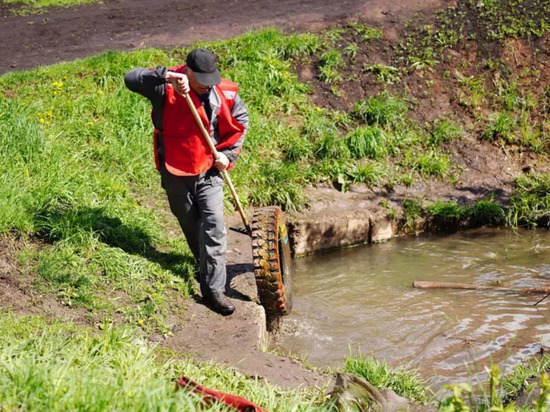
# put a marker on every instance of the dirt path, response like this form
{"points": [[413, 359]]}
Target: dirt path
{"points": [[68, 34]]}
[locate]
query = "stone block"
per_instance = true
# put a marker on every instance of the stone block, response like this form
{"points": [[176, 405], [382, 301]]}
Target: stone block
{"points": [[321, 233]]}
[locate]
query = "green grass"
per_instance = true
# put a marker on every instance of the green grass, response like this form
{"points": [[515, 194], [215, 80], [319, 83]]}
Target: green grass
{"points": [[383, 73], [331, 62], [449, 215], [75, 171], [444, 131], [59, 367], [501, 126], [365, 32], [369, 142], [405, 383], [530, 202], [385, 110]]}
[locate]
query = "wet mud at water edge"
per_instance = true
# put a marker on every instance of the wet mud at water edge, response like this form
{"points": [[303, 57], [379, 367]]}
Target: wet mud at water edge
{"points": [[361, 300]]}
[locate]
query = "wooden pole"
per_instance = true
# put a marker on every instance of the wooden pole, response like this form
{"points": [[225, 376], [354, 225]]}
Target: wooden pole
{"points": [[418, 284], [216, 155]]}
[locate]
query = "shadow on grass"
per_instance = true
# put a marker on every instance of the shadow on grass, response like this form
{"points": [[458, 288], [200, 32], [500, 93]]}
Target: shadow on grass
{"points": [[59, 223]]}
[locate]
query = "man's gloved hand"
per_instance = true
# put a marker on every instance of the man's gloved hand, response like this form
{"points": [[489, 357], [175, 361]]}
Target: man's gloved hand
{"points": [[179, 81], [222, 163]]}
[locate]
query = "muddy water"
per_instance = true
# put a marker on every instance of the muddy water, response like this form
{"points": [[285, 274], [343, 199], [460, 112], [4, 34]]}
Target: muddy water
{"points": [[361, 299]]}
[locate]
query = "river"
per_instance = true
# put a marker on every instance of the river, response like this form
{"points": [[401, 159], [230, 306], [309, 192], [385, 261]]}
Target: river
{"points": [[361, 300]]}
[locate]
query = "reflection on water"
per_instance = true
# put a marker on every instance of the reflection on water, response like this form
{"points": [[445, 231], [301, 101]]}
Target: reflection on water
{"points": [[361, 299]]}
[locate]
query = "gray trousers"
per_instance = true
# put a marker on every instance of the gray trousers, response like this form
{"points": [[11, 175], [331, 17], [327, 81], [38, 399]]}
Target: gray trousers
{"points": [[197, 203]]}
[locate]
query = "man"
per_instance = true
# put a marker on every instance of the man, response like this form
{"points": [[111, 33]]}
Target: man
{"points": [[190, 175]]}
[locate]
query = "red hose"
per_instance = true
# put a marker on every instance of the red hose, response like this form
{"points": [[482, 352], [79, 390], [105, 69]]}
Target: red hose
{"points": [[209, 395]]}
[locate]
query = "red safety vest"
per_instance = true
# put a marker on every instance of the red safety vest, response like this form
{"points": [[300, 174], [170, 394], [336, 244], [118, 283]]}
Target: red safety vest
{"points": [[185, 149]]}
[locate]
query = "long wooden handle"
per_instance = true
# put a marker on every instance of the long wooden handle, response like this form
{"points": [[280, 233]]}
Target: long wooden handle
{"points": [[450, 285], [216, 155]]}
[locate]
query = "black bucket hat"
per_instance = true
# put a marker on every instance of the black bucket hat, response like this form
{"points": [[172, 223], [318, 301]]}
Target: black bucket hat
{"points": [[203, 64]]}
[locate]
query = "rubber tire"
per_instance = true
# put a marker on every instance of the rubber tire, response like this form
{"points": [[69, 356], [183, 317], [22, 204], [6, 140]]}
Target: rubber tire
{"points": [[271, 255]]}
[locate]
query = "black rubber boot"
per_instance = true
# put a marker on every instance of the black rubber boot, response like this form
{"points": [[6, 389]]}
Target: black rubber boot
{"points": [[218, 302]]}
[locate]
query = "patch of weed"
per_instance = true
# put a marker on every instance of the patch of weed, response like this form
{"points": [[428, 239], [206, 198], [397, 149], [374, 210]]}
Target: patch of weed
{"points": [[444, 131], [429, 163], [329, 65], [384, 110], [530, 201], [383, 73], [369, 141], [501, 127], [405, 383], [365, 32]]}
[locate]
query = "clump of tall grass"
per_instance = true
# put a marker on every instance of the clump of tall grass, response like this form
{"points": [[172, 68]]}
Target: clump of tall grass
{"points": [[269, 181], [514, 383], [383, 73], [486, 212], [330, 63], [384, 110], [404, 382], [444, 131], [530, 201], [365, 32], [369, 142], [428, 163], [501, 126], [450, 215]]}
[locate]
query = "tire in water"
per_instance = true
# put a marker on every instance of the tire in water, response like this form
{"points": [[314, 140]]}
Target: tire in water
{"points": [[271, 254]]}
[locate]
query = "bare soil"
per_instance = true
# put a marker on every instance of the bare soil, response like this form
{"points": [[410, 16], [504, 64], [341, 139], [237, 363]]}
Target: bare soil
{"points": [[64, 34], [67, 34]]}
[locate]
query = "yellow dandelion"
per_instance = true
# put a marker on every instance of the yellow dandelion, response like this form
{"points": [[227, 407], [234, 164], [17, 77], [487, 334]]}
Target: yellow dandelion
{"points": [[41, 120], [48, 122], [91, 123], [100, 92], [140, 321]]}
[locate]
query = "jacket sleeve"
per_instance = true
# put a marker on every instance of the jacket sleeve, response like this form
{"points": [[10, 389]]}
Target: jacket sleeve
{"points": [[240, 114], [150, 84]]}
